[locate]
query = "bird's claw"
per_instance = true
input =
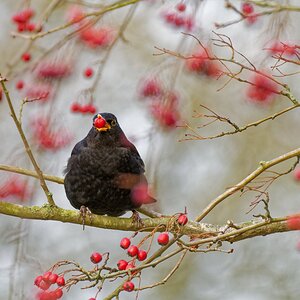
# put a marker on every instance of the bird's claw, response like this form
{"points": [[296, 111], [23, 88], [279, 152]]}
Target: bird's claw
{"points": [[136, 219], [84, 211]]}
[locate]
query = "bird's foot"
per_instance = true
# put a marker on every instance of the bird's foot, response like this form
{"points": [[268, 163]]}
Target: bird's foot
{"points": [[136, 219], [84, 211]]}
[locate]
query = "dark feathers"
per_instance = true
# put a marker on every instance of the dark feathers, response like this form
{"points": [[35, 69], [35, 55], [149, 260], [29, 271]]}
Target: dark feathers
{"points": [[103, 171]]}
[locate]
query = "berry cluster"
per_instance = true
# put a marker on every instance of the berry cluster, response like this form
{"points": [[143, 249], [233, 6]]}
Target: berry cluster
{"points": [[136, 254], [22, 20], [200, 62], [164, 103], [84, 109], [134, 251], [14, 187], [178, 18], [49, 138], [281, 48], [90, 35], [97, 36], [248, 11], [55, 69], [262, 88], [45, 281]]}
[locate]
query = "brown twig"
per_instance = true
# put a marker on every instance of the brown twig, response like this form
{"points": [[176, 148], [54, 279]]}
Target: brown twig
{"points": [[26, 145]]}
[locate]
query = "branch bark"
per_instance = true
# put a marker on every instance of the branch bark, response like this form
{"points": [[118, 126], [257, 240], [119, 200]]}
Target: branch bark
{"points": [[245, 230]]}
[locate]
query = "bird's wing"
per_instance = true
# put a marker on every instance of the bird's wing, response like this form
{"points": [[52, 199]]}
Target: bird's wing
{"points": [[132, 152], [128, 180], [138, 185], [76, 150], [78, 147]]}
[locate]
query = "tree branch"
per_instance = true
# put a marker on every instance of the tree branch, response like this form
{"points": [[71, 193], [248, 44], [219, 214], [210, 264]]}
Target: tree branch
{"points": [[245, 230], [264, 165]]}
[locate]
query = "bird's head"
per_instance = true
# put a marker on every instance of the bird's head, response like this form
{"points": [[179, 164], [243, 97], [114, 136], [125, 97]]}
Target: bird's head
{"points": [[104, 122], [106, 130]]}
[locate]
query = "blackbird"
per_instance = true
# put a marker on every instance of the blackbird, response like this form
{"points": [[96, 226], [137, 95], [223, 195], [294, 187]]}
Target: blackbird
{"points": [[105, 173]]}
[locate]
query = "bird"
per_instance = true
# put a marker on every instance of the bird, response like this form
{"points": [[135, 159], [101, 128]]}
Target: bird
{"points": [[105, 173]]}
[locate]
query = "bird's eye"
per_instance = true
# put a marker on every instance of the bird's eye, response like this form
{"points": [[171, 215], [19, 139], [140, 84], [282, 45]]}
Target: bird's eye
{"points": [[113, 122]]}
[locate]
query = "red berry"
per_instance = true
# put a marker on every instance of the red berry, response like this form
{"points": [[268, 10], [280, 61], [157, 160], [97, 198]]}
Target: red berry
{"points": [[88, 72], [26, 56], [189, 23], [132, 250], [142, 255], [75, 107], [297, 174], [23, 16], [20, 84], [92, 299], [21, 27], [45, 296], [151, 88], [60, 281], [247, 8], [130, 266], [52, 278], [92, 109], [125, 243], [84, 109], [99, 122], [46, 276], [58, 293], [38, 280], [44, 285], [163, 238], [181, 6], [128, 286], [122, 264], [182, 219], [179, 21], [96, 257], [293, 222], [30, 27]]}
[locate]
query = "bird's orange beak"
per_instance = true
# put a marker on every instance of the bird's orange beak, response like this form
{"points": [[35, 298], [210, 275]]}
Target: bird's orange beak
{"points": [[100, 124]]}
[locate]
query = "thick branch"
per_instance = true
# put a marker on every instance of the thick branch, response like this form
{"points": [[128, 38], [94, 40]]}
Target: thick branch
{"points": [[245, 230]]}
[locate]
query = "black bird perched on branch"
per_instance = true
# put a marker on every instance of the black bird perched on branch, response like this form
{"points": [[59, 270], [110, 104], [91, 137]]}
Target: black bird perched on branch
{"points": [[105, 173]]}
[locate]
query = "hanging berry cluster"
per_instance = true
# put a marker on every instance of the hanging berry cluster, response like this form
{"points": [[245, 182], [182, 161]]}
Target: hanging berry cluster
{"points": [[45, 282], [23, 20], [129, 267], [14, 187], [178, 17], [163, 103]]}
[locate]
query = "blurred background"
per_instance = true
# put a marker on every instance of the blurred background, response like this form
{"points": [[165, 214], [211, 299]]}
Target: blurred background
{"points": [[110, 64]]}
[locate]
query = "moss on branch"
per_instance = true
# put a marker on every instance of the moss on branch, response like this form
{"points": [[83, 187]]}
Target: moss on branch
{"points": [[211, 232]]}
